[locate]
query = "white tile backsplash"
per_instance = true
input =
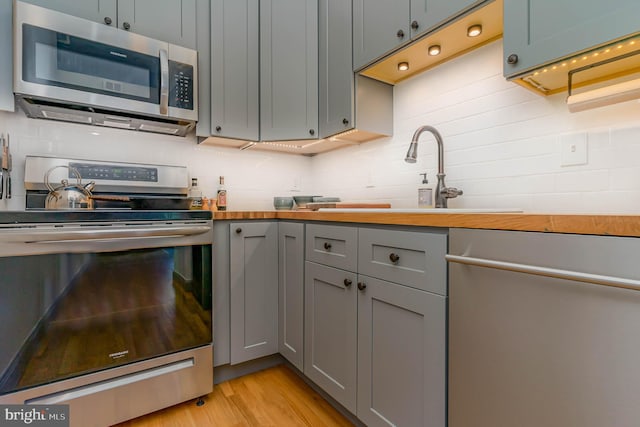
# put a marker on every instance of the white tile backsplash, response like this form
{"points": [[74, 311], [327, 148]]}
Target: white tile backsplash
{"points": [[252, 178], [502, 147]]}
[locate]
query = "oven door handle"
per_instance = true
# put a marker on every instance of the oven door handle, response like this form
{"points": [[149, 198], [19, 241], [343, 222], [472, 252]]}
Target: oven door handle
{"points": [[61, 235]]}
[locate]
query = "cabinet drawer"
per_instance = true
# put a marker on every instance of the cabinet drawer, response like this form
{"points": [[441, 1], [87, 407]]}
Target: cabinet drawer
{"points": [[411, 258], [332, 245]]}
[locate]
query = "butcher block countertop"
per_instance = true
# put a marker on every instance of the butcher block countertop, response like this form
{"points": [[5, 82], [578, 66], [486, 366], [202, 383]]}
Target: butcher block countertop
{"points": [[600, 224]]}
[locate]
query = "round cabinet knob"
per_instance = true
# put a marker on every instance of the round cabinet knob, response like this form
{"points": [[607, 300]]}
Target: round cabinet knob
{"points": [[345, 121], [347, 283], [400, 34], [414, 25], [362, 286], [394, 258], [107, 20], [327, 246], [512, 59], [312, 132], [218, 128], [238, 230], [126, 25]]}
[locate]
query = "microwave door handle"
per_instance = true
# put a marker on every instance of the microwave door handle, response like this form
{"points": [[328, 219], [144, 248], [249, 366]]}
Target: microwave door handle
{"points": [[164, 82]]}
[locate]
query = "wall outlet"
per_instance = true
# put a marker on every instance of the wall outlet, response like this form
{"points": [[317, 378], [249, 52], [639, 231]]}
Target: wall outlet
{"points": [[573, 149]]}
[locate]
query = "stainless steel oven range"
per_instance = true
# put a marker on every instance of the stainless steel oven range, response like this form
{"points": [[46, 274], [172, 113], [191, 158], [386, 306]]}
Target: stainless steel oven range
{"points": [[107, 310]]}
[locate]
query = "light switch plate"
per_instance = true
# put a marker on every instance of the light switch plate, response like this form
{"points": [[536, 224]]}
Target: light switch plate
{"points": [[573, 149]]}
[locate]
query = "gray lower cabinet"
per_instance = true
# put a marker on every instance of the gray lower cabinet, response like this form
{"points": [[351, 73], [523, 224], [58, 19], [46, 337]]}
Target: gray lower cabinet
{"points": [[288, 69], [330, 339], [253, 275], [291, 292], [6, 52], [167, 20], [235, 69], [401, 355], [378, 347], [541, 31]]}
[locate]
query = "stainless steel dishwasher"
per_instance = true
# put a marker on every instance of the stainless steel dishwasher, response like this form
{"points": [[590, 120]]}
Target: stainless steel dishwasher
{"points": [[544, 330]]}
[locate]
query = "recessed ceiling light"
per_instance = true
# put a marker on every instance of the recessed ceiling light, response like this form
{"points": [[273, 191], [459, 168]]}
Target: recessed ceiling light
{"points": [[434, 50], [403, 66], [474, 30]]}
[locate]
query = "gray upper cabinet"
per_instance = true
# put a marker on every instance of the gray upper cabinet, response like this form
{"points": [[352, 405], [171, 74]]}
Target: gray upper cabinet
{"points": [[379, 26], [401, 355], [254, 290], [291, 292], [537, 32], [6, 51], [235, 70], [167, 20], [103, 11], [288, 69], [429, 14], [335, 71]]}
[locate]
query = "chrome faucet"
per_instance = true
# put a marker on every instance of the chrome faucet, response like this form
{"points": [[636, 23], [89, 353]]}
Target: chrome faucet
{"points": [[443, 193]]}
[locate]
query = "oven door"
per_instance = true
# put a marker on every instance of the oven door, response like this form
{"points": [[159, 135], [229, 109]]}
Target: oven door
{"points": [[80, 298]]}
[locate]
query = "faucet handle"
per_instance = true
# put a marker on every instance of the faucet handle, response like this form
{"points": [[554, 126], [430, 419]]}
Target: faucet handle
{"points": [[451, 192]]}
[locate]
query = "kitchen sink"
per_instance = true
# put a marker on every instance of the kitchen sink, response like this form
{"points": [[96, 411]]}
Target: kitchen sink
{"points": [[423, 211]]}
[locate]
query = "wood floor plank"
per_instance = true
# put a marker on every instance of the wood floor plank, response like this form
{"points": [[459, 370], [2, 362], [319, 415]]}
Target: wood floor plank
{"points": [[273, 397]]}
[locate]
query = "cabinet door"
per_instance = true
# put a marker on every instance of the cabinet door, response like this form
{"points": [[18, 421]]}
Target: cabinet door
{"points": [[379, 26], [291, 292], [401, 355], [6, 52], [330, 331], [428, 14], [167, 20], [288, 69], [254, 290], [235, 69], [102, 11], [541, 31], [335, 71]]}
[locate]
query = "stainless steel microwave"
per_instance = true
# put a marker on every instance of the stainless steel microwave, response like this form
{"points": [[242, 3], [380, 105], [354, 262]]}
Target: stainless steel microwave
{"points": [[72, 69]]}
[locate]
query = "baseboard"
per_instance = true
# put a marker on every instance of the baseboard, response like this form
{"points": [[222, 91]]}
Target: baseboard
{"points": [[228, 372]]}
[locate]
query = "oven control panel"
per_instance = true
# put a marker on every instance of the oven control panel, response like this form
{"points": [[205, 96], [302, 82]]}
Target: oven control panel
{"points": [[114, 172]]}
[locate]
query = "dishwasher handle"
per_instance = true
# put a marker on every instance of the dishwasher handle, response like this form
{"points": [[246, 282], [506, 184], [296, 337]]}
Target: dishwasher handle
{"points": [[61, 235], [595, 279]]}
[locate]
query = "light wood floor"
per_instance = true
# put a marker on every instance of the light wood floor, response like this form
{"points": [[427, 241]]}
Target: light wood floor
{"points": [[273, 397]]}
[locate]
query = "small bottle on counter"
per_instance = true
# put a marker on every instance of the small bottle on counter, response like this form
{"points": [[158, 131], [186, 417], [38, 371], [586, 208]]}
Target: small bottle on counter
{"points": [[195, 194], [222, 195], [425, 193]]}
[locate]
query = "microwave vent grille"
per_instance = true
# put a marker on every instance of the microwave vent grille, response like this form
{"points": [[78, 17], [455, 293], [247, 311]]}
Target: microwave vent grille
{"points": [[67, 117]]}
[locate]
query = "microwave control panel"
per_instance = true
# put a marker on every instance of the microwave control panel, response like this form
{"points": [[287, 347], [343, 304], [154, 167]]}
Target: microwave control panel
{"points": [[180, 85]]}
